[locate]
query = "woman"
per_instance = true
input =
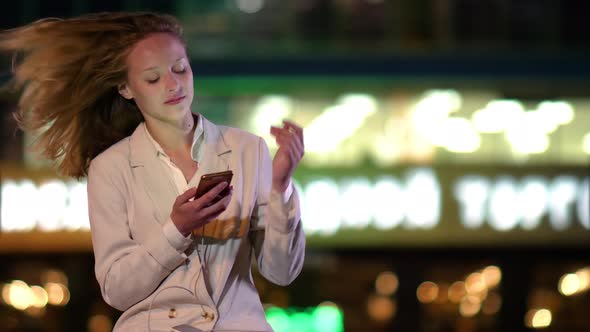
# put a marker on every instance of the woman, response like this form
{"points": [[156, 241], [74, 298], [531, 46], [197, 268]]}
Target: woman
{"points": [[113, 93]]}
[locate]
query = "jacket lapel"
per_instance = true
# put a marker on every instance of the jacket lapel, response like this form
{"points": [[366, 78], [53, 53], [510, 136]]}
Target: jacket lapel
{"points": [[216, 153], [150, 173]]}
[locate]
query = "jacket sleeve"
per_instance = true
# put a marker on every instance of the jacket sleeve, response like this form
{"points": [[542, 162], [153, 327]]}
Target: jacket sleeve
{"points": [[276, 230], [127, 271]]}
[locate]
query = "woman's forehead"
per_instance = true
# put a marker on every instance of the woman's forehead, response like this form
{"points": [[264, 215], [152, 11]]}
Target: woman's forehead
{"points": [[155, 50]]}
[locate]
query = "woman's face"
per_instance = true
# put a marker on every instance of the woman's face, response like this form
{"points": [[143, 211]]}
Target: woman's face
{"points": [[160, 79]]}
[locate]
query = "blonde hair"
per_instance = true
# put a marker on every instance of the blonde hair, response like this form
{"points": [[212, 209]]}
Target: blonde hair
{"points": [[69, 72]]}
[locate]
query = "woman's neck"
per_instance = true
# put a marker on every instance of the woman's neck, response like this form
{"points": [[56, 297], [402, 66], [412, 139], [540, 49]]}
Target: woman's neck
{"points": [[174, 139]]}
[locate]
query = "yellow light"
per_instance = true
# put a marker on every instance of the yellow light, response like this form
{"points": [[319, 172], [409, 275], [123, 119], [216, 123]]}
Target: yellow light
{"points": [[475, 283], [457, 291], [569, 284], [427, 292], [40, 297], [538, 318], [5, 293], [381, 308], [492, 275], [386, 283], [470, 306], [20, 296], [583, 278], [58, 294]]}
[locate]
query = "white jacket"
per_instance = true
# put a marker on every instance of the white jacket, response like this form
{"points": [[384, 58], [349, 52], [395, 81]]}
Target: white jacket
{"points": [[130, 196]]}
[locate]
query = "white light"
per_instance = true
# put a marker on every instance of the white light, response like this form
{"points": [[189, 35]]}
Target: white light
{"points": [[422, 199], [250, 6], [562, 196], [569, 284], [504, 208], [385, 149], [51, 205], [472, 193], [532, 201], [76, 214], [356, 203], [540, 121], [270, 111], [338, 122], [560, 112], [434, 107], [583, 279], [457, 135], [540, 318], [496, 116], [583, 205], [440, 101], [322, 204], [17, 214], [389, 202], [586, 143], [39, 297], [20, 295], [524, 140], [527, 133], [59, 206]]}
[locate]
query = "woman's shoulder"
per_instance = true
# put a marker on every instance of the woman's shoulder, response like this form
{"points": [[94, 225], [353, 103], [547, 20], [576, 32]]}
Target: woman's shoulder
{"points": [[113, 155]]}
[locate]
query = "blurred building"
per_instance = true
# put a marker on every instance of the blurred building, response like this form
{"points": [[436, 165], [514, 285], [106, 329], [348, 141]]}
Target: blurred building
{"points": [[446, 181]]}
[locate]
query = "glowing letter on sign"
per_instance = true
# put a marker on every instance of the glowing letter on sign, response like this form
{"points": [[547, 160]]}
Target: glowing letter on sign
{"points": [[472, 193], [504, 211], [422, 199], [562, 195]]}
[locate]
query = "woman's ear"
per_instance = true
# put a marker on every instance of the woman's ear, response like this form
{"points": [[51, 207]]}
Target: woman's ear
{"points": [[124, 91]]}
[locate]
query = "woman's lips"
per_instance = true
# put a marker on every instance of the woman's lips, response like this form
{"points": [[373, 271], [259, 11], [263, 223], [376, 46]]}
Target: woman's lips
{"points": [[174, 101]]}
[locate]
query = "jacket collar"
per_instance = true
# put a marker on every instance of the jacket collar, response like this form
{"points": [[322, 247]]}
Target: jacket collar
{"points": [[143, 152], [149, 170]]}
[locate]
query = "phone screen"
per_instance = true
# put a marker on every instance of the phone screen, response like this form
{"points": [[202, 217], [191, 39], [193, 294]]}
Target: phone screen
{"points": [[208, 181]]}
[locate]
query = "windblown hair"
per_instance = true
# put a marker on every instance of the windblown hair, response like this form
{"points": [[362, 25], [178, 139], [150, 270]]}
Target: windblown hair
{"points": [[68, 72]]}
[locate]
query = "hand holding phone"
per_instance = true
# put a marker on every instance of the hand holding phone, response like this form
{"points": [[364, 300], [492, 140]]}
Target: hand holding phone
{"points": [[209, 181], [188, 213]]}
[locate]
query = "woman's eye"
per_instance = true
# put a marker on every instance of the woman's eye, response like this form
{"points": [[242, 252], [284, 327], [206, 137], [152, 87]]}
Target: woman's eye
{"points": [[180, 70], [152, 81]]}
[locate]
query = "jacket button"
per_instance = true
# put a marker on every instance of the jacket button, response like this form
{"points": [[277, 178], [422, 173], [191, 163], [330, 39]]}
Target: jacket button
{"points": [[172, 313]]}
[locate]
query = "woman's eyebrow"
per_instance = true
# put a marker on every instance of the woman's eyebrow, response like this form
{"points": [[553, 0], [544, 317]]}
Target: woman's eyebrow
{"points": [[156, 67]]}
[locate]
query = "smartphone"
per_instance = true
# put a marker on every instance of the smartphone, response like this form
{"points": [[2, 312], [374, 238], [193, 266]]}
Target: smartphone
{"points": [[208, 181]]}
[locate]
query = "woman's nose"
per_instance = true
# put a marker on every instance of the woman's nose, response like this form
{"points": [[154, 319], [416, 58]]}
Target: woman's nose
{"points": [[172, 83]]}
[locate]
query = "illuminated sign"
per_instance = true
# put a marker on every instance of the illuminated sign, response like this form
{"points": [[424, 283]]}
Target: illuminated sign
{"points": [[445, 204], [385, 203], [414, 202], [51, 206]]}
